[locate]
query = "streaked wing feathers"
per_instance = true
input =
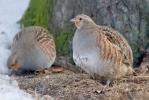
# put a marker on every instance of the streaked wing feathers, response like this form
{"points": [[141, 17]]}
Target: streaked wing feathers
{"points": [[45, 42], [16, 37], [116, 38]]}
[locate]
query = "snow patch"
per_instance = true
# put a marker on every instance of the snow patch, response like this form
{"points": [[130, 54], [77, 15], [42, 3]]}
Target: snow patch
{"points": [[9, 89]]}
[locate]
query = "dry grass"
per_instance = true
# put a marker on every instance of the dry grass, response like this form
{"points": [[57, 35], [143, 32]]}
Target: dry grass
{"points": [[73, 84]]}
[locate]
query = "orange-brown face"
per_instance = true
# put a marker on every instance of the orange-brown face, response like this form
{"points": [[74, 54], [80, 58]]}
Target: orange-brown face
{"points": [[78, 21], [14, 66], [12, 62]]}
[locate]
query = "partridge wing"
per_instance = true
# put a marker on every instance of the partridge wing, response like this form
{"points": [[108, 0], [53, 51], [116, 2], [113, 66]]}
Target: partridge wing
{"points": [[45, 42], [108, 51], [117, 39], [16, 38]]}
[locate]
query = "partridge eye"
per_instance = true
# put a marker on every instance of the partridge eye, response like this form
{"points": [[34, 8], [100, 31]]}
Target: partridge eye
{"points": [[80, 18]]}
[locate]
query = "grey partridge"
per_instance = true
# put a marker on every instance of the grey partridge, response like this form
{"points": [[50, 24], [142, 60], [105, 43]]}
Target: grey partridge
{"points": [[101, 50], [33, 48]]}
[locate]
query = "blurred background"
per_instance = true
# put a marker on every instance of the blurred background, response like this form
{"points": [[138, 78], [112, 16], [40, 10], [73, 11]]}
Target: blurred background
{"points": [[129, 17]]}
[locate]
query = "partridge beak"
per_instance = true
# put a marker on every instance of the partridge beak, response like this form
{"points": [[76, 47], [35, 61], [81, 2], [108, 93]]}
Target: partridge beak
{"points": [[73, 20], [9, 72]]}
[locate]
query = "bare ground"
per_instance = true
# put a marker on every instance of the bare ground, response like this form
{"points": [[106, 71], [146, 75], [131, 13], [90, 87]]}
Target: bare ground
{"points": [[74, 84]]}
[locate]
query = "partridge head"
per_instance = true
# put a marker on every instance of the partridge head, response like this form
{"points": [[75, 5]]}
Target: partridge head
{"points": [[101, 50], [12, 62], [33, 48]]}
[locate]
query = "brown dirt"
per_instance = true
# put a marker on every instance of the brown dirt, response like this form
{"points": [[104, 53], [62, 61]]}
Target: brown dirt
{"points": [[74, 84]]}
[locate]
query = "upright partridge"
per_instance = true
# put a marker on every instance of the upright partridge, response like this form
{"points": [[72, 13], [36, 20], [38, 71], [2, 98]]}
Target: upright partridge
{"points": [[33, 48], [101, 50]]}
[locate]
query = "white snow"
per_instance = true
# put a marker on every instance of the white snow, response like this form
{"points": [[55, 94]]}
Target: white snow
{"points": [[9, 90], [11, 12]]}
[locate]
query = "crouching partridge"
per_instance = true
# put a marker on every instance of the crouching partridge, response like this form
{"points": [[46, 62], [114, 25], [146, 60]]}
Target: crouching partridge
{"points": [[33, 48], [101, 50]]}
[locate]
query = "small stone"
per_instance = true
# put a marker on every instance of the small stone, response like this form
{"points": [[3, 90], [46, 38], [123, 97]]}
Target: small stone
{"points": [[47, 97]]}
